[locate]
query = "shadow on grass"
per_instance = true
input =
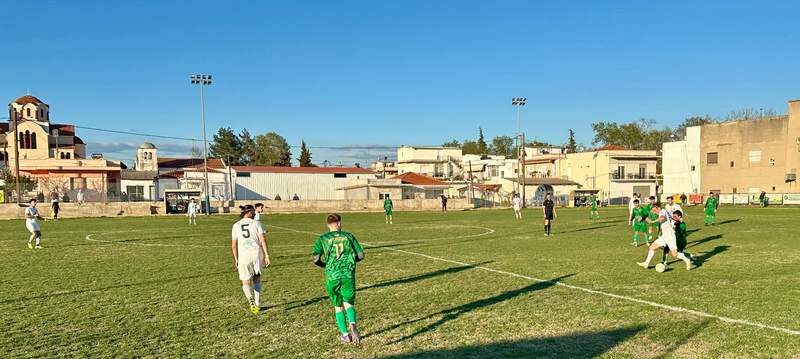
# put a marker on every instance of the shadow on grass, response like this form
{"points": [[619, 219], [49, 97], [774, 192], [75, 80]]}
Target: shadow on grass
{"points": [[578, 345], [683, 339], [455, 312], [728, 221], [156, 282], [585, 229], [699, 260], [398, 281], [703, 240]]}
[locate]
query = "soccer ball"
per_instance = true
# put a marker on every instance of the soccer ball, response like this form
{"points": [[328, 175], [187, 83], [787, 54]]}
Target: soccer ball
{"points": [[661, 267]]}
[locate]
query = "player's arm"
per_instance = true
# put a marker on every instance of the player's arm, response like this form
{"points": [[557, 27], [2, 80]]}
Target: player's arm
{"points": [[234, 248], [262, 238], [316, 253], [358, 249]]}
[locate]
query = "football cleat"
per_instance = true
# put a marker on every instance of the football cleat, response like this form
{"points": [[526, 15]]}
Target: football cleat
{"points": [[345, 338], [644, 265], [38, 247], [253, 307], [355, 336], [30, 245]]}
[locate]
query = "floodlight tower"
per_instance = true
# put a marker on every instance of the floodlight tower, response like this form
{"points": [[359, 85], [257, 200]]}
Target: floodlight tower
{"points": [[519, 102], [203, 80]]}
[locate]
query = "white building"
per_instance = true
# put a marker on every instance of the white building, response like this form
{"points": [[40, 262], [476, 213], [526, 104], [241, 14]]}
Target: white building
{"points": [[680, 164], [436, 162], [287, 183]]}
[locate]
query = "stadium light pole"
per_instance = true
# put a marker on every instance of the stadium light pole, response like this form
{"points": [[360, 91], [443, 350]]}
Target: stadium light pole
{"points": [[519, 102], [203, 80]]}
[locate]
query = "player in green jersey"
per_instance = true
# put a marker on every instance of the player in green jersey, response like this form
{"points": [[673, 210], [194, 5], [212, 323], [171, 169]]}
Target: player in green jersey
{"points": [[639, 225], [653, 227], [594, 214], [388, 207], [712, 203], [680, 237], [338, 251]]}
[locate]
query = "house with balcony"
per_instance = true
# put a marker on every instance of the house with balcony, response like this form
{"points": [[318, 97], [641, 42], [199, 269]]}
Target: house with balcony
{"points": [[443, 163], [614, 171]]}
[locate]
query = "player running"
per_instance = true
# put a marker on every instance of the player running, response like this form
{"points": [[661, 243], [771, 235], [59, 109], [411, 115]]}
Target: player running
{"points": [[338, 251], [191, 211], [639, 224], [680, 237], [653, 225], [549, 211], [250, 255], [666, 239], [31, 215], [516, 202], [631, 205], [388, 207], [711, 209], [594, 214]]}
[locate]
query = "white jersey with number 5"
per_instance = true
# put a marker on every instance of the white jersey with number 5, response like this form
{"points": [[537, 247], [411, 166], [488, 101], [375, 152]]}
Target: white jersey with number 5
{"points": [[245, 232], [192, 209]]}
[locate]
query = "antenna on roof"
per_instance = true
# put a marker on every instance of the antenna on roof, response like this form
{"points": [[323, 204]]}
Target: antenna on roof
{"points": [[28, 91]]}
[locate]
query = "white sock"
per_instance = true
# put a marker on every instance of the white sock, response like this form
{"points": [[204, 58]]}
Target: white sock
{"points": [[257, 293], [38, 240], [683, 257], [650, 254], [248, 292]]}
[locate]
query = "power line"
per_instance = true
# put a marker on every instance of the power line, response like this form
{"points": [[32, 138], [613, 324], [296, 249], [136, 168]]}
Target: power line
{"points": [[354, 147]]}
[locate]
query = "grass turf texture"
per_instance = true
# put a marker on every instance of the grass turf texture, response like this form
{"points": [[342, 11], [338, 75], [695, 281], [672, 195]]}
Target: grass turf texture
{"points": [[161, 288]]}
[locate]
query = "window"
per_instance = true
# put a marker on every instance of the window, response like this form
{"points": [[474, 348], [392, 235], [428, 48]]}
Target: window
{"points": [[383, 195], [135, 193], [693, 168], [620, 171], [772, 162], [32, 140], [754, 156], [773, 188], [731, 163], [712, 158], [340, 175], [28, 112], [67, 155], [242, 174], [642, 170], [77, 183]]}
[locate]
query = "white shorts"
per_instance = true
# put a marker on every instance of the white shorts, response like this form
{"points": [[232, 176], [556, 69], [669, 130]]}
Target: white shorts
{"points": [[516, 208], [667, 240], [249, 267], [33, 227], [192, 214]]}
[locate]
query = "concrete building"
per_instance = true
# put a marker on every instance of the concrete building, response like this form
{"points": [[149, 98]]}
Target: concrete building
{"points": [[680, 165], [54, 156], [405, 186], [307, 183], [751, 156], [616, 172], [384, 168], [436, 162]]}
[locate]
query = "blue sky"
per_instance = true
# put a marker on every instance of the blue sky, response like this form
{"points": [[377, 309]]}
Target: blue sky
{"points": [[339, 73]]}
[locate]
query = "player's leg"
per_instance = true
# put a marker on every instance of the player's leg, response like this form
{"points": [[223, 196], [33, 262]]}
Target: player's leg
{"points": [[348, 292], [665, 256], [333, 288], [257, 290], [38, 239], [682, 257], [247, 289], [651, 252], [31, 238]]}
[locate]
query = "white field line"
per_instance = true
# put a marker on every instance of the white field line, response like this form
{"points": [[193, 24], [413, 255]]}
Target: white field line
{"points": [[89, 238], [591, 291]]}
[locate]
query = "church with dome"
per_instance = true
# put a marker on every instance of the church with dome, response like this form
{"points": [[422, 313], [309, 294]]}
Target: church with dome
{"points": [[53, 155]]}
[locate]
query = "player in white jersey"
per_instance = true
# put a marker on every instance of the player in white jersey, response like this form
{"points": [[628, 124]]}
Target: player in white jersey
{"points": [[31, 215], [259, 209], [191, 211], [516, 202], [671, 207], [667, 238], [250, 255]]}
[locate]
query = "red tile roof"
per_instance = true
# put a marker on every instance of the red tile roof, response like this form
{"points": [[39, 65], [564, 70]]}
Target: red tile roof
{"points": [[309, 170], [28, 99], [63, 130], [420, 180], [172, 162], [78, 141]]}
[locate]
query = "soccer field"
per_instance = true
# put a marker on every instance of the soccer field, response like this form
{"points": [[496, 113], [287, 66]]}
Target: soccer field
{"points": [[433, 285]]}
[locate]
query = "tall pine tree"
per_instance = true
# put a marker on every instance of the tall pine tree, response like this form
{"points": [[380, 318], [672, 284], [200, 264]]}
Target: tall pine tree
{"points": [[249, 153], [305, 156], [226, 146], [572, 146], [483, 148]]}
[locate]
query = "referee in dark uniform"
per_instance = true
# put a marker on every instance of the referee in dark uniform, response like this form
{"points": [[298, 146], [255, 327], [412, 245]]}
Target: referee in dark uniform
{"points": [[549, 209]]}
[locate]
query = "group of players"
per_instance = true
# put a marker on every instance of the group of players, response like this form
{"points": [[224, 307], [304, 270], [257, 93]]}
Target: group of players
{"points": [[665, 228]]}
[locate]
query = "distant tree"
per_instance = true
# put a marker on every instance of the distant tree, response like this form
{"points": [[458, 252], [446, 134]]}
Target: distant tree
{"points": [[572, 145], [470, 148], [483, 148], [637, 135], [226, 146], [750, 114], [680, 131], [503, 146], [249, 151], [452, 143], [358, 165], [272, 150], [305, 156], [537, 143]]}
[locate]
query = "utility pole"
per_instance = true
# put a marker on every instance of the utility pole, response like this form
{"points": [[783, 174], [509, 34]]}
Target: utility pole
{"points": [[13, 114], [519, 102], [471, 189]]}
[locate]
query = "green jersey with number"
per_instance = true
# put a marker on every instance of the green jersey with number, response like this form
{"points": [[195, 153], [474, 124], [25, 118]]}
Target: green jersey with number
{"points": [[640, 213], [338, 250]]}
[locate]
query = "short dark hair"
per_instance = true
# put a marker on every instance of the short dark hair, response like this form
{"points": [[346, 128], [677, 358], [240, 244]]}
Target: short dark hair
{"points": [[333, 218], [33, 200], [679, 213], [635, 201], [652, 197], [669, 197], [259, 205], [245, 209]]}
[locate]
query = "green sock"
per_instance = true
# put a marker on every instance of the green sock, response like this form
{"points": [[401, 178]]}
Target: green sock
{"points": [[340, 322], [635, 237], [664, 258], [351, 315]]}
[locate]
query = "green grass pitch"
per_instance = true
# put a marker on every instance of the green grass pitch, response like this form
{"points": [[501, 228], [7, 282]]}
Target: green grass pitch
{"points": [[469, 284]]}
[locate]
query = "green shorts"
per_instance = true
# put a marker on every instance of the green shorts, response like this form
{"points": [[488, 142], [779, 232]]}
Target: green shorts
{"points": [[710, 212], [341, 290], [639, 227], [388, 212]]}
